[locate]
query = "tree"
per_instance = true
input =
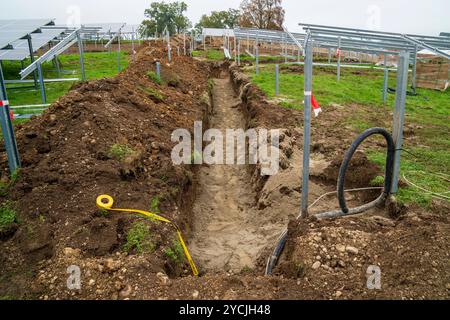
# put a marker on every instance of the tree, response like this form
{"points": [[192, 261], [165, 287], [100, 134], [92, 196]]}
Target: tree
{"points": [[161, 15], [220, 19], [262, 14]]}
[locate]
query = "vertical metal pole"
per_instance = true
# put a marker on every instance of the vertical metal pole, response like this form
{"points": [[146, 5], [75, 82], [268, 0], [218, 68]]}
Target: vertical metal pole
{"points": [[307, 126], [8, 129], [329, 55], [285, 48], [81, 52], [339, 60], [277, 80], [31, 50], [386, 79], [239, 52], [235, 49], [118, 51], [158, 70], [41, 83], [257, 60], [58, 68], [132, 42], [399, 113], [414, 75], [169, 49]]}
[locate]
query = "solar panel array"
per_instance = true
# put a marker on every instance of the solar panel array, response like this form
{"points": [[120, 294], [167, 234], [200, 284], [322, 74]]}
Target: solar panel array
{"points": [[14, 37], [12, 30], [20, 47], [101, 31]]}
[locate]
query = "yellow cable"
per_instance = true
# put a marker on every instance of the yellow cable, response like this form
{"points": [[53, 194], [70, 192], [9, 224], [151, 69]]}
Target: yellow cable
{"points": [[108, 205]]}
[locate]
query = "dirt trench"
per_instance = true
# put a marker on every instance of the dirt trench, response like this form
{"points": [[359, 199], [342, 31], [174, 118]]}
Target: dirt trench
{"points": [[225, 235]]}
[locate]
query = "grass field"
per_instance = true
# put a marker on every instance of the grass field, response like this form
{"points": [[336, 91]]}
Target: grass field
{"points": [[429, 164], [97, 65]]}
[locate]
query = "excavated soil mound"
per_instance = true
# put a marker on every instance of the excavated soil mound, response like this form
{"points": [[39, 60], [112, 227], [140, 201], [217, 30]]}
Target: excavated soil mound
{"points": [[68, 159]]}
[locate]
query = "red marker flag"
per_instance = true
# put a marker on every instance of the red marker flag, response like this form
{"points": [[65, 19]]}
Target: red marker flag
{"points": [[4, 103], [316, 107]]}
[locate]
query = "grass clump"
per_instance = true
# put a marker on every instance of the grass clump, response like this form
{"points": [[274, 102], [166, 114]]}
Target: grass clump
{"points": [[175, 253], [120, 152], [154, 94], [154, 77], [378, 181], [139, 239], [8, 215], [154, 205]]}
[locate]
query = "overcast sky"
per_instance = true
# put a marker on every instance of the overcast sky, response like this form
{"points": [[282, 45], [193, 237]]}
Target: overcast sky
{"points": [[416, 16]]}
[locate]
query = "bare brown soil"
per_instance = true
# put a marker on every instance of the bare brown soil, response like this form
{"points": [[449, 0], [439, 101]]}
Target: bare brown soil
{"points": [[230, 216]]}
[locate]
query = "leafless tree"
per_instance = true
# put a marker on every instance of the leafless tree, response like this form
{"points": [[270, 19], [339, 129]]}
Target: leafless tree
{"points": [[262, 14]]}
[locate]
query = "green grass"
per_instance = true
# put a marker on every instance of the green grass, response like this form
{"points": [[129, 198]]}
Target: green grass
{"points": [[175, 253], [154, 77], [139, 239], [215, 55], [8, 215], [97, 65], [154, 94], [120, 152], [428, 112], [154, 205]]}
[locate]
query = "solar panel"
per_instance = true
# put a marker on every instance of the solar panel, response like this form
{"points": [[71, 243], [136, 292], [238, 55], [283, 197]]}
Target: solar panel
{"points": [[20, 49], [215, 32], [12, 30], [104, 27]]}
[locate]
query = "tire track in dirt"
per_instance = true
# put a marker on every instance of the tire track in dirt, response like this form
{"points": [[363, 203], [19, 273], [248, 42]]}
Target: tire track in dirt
{"points": [[225, 235]]}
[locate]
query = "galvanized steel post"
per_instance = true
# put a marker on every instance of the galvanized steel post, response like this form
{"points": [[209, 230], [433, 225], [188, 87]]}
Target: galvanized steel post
{"points": [[339, 60], [257, 60], [386, 79], [307, 125], [81, 52], [7, 129], [118, 51], [158, 70], [277, 79], [31, 50], [239, 52], [399, 114], [132, 42], [414, 75], [41, 83]]}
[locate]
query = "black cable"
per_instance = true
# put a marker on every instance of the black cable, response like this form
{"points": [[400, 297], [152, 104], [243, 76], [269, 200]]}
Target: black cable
{"points": [[273, 260]]}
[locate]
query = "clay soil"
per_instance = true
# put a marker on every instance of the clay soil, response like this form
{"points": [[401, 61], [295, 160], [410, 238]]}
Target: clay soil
{"points": [[231, 216]]}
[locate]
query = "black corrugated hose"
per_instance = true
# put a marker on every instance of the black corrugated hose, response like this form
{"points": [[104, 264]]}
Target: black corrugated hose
{"points": [[345, 211]]}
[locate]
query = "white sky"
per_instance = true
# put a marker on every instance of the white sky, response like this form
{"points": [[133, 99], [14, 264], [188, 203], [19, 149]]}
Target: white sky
{"points": [[415, 16]]}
